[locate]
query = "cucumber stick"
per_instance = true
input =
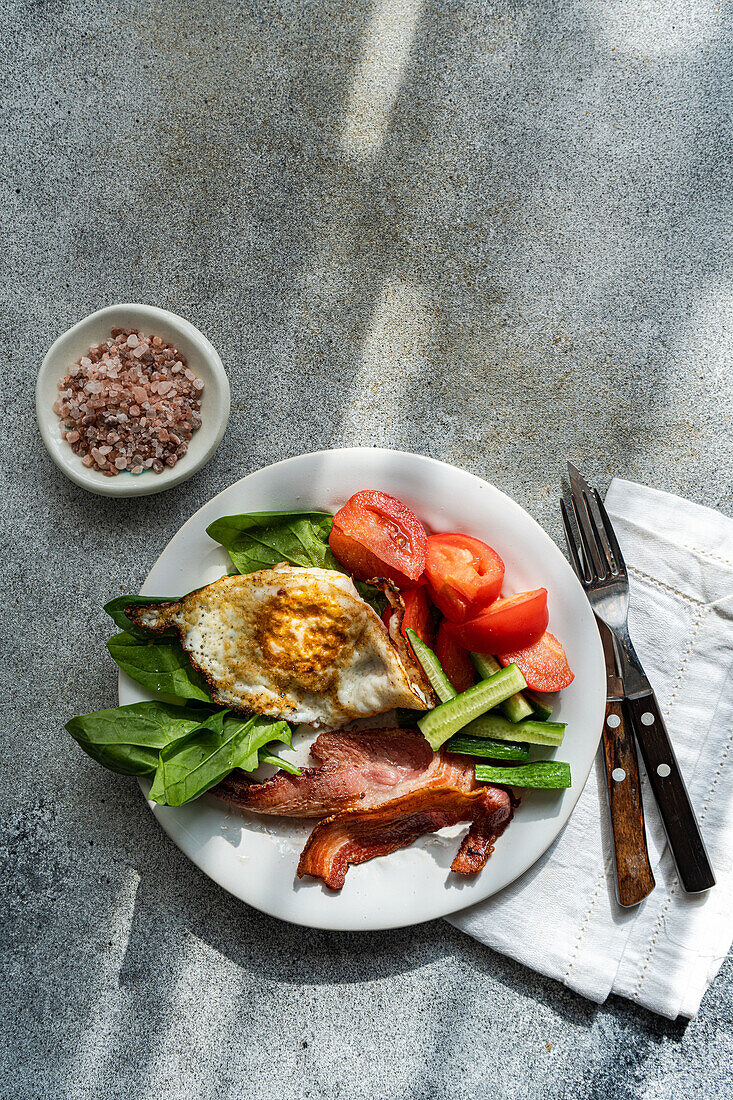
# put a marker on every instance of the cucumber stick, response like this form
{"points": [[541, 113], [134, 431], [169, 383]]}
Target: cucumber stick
{"points": [[516, 706], [442, 686], [501, 729], [484, 746], [542, 710], [544, 774], [440, 724]]}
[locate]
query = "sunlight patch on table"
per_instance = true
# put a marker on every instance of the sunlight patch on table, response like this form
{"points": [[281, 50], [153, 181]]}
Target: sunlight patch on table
{"points": [[87, 1072], [702, 349], [654, 28], [385, 49], [398, 345]]}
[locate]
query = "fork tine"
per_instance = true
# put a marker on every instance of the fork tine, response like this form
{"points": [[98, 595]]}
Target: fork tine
{"points": [[611, 534], [593, 553], [602, 528], [599, 527], [572, 534], [574, 548]]}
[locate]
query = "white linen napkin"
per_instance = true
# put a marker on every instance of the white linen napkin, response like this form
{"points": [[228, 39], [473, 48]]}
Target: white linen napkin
{"points": [[561, 917]]}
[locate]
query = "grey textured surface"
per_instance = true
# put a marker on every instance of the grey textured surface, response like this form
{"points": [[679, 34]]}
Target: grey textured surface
{"points": [[496, 234]]}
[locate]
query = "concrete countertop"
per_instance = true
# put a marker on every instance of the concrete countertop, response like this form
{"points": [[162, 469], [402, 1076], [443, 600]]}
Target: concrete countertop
{"points": [[491, 233]]}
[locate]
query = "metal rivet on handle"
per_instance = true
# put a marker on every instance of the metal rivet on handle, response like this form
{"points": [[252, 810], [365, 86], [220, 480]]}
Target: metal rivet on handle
{"points": [[647, 719], [613, 720], [618, 774], [663, 770]]}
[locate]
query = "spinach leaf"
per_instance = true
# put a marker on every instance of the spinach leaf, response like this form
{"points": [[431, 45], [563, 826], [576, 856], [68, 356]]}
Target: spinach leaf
{"points": [[161, 666], [266, 757], [192, 765], [259, 540], [373, 596], [116, 610], [128, 739]]}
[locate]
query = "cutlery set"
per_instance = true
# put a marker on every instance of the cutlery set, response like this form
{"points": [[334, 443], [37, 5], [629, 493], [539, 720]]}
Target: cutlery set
{"points": [[633, 716]]}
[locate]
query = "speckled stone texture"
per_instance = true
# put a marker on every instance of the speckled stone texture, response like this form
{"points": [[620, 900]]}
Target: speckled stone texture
{"points": [[493, 233]]}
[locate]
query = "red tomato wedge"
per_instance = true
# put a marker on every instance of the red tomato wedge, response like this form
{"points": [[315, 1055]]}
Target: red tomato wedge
{"points": [[417, 617], [464, 575], [543, 665], [507, 625], [375, 535], [454, 660]]}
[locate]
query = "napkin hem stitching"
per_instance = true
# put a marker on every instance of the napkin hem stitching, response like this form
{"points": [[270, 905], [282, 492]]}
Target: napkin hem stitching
{"points": [[667, 587], [653, 944], [586, 920], [690, 645], [707, 554]]}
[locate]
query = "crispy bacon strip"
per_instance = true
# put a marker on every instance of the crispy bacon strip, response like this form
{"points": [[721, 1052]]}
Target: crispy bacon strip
{"points": [[478, 843], [358, 770], [357, 836]]}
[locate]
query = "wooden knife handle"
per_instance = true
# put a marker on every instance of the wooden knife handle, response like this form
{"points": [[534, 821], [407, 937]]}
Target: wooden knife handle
{"points": [[634, 878], [675, 808]]}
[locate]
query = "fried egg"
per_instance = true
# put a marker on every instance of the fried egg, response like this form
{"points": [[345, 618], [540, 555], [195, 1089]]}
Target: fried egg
{"points": [[292, 643]]}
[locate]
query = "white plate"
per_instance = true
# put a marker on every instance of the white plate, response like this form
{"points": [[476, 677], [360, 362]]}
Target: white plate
{"points": [[202, 357], [255, 858]]}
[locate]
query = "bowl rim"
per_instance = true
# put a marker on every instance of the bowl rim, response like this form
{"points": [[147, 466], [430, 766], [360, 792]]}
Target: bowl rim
{"points": [[169, 478]]}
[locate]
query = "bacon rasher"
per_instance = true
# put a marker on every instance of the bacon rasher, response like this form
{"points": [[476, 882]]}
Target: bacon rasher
{"points": [[354, 837], [359, 769]]}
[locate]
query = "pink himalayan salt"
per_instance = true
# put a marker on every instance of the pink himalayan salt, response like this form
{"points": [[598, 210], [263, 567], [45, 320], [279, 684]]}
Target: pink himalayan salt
{"points": [[119, 404]]}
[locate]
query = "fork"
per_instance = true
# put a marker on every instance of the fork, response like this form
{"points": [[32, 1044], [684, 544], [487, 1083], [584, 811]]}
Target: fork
{"points": [[600, 566]]}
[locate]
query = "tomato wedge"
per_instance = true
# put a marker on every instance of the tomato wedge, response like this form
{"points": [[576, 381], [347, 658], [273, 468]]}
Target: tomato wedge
{"points": [[464, 575], [543, 665], [375, 535], [507, 625], [454, 660], [417, 615]]}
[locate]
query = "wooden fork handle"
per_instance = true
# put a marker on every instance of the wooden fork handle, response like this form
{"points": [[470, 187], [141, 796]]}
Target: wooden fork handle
{"points": [[675, 808], [634, 878]]}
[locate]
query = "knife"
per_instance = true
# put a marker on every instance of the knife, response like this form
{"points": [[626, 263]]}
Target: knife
{"points": [[634, 878]]}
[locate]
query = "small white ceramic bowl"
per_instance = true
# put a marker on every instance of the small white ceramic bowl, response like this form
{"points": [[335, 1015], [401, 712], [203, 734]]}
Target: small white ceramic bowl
{"points": [[202, 358]]}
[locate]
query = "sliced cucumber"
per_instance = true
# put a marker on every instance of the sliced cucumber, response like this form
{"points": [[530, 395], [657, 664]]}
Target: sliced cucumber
{"points": [[440, 724], [544, 774], [516, 706], [485, 665], [541, 708], [536, 733], [442, 686], [484, 746]]}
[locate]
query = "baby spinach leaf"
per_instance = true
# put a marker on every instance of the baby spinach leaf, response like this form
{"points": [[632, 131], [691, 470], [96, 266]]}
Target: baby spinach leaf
{"points": [[266, 757], [116, 610], [259, 540], [192, 765], [373, 596], [128, 739], [161, 666]]}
